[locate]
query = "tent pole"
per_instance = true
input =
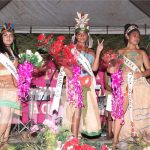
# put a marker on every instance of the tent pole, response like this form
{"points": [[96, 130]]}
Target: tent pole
{"points": [[30, 29]]}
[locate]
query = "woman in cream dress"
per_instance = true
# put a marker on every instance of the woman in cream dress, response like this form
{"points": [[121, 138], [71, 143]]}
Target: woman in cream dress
{"points": [[136, 90], [8, 87]]}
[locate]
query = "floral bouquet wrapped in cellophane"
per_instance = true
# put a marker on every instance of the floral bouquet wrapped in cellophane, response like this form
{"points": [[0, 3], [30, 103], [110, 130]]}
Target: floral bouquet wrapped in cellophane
{"points": [[111, 61], [27, 62]]}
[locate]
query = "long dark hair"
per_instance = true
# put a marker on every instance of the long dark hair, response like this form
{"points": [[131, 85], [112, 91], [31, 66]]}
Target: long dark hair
{"points": [[128, 32], [13, 46]]}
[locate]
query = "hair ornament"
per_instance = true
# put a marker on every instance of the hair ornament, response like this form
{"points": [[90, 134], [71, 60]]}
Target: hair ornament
{"points": [[130, 28], [9, 27], [82, 22]]}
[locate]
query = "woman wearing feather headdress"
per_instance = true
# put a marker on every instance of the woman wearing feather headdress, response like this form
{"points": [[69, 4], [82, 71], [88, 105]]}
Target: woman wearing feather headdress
{"points": [[85, 118], [8, 76]]}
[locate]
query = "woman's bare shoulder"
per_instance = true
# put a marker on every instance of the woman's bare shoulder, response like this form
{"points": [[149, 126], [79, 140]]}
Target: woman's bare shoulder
{"points": [[122, 51]]}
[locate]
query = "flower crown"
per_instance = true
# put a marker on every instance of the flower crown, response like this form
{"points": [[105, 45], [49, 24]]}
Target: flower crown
{"points": [[9, 27], [82, 22], [130, 28]]}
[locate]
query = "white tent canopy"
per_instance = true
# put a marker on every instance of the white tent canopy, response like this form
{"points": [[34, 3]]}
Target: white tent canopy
{"points": [[57, 16]]}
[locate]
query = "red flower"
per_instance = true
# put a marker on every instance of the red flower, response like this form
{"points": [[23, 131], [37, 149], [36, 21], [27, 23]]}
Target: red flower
{"points": [[104, 147], [72, 143], [41, 37], [85, 81], [61, 38]]}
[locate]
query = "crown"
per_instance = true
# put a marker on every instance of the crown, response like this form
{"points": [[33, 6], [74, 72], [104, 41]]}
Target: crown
{"points": [[82, 22], [130, 28], [9, 27]]}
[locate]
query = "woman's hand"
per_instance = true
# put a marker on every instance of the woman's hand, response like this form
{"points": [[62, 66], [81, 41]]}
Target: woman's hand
{"points": [[113, 69], [15, 62], [99, 47], [98, 52], [138, 75], [68, 72]]}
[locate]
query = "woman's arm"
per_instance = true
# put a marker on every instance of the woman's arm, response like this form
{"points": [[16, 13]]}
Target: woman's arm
{"points": [[146, 63], [95, 64], [106, 81]]}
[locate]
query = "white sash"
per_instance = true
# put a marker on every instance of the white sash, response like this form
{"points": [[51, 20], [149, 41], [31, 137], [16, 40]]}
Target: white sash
{"points": [[131, 64], [56, 99], [8, 65], [130, 88], [85, 63], [133, 67]]}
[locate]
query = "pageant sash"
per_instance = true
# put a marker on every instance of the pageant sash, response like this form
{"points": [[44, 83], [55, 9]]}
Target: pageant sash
{"points": [[133, 67], [56, 99], [85, 63], [130, 88], [8, 65], [131, 64]]}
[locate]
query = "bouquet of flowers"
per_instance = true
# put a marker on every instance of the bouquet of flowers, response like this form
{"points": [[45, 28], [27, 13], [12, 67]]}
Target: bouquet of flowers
{"points": [[60, 52], [63, 56], [27, 62], [111, 59]]}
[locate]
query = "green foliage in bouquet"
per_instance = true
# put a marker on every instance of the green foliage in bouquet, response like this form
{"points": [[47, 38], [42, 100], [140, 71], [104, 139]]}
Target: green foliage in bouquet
{"points": [[33, 58]]}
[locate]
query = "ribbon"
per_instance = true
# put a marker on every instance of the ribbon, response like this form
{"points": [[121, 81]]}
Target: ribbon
{"points": [[8, 65], [56, 99], [85, 63]]}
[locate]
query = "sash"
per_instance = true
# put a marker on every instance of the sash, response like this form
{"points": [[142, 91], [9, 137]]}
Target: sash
{"points": [[133, 67], [56, 99], [85, 63], [131, 64], [130, 88], [8, 65]]}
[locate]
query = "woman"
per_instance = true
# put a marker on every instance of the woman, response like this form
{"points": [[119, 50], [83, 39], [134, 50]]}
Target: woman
{"points": [[85, 119], [136, 90], [8, 88]]}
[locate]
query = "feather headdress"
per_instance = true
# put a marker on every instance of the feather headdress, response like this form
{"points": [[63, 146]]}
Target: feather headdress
{"points": [[82, 22], [9, 27]]}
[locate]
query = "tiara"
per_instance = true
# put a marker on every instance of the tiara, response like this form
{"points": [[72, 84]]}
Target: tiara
{"points": [[7, 27], [130, 28], [82, 22]]}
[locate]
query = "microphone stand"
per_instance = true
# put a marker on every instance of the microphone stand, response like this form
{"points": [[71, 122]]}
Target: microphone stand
{"points": [[48, 83]]}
